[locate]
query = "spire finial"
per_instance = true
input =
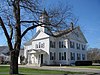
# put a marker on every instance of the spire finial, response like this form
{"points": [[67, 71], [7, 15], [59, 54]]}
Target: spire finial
{"points": [[71, 25], [45, 12]]}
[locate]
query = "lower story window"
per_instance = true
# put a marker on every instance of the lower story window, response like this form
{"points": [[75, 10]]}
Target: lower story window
{"points": [[52, 56], [59, 55], [62, 56], [78, 56], [72, 55], [83, 56]]}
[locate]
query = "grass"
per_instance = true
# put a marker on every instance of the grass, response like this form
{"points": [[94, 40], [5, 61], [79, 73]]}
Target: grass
{"points": [[93, 67], [30, 71]]}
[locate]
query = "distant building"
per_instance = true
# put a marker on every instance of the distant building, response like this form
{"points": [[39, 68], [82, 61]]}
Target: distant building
{"points": [[4, 54], [45, 49]]}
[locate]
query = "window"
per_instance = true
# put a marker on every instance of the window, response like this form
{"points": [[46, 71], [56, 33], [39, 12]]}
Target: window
{"points": [[83, 47], [52, 44], [36, 46], [59, 55], [52, 56], [72, 55], [62, 44], [40, 45], [72, 44], [59, 44], [83, 56], [64, 55], [78, 56], [77, 46]]}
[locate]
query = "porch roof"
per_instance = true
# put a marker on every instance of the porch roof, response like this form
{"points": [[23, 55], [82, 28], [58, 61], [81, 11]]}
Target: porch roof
{"points": [[35, 51]]}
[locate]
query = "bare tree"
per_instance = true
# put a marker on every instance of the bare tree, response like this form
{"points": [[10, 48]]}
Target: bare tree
{"points": [[93, 54], [17, 17]]}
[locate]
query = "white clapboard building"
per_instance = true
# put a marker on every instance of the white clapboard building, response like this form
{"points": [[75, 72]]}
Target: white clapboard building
{"points": [[45, 49]]}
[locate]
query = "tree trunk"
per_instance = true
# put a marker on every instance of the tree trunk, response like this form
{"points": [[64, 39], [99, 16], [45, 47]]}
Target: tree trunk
{"points": [[14, 62]]}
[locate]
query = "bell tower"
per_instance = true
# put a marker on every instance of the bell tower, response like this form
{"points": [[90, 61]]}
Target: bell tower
{"points": [[43, 19]]}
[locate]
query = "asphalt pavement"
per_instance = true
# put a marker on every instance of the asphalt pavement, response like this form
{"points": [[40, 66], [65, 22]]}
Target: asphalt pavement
{"points": [[65, 68], [88, 71]]}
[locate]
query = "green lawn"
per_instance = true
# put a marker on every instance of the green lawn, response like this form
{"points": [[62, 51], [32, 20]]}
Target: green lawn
{"points": [[29, 71], [93, 67]]}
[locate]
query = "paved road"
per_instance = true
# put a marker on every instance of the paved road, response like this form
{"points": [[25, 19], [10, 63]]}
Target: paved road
{"points": [[88, 70], [64, 68]]}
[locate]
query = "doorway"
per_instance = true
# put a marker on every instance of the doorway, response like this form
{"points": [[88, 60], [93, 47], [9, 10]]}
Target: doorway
{"points": [[41, 59]]}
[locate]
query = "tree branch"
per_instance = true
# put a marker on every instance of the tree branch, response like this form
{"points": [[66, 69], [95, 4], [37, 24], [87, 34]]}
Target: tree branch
{"points": [[11, 28], [6, 34], [29, 22], [62, 33], [30, 9], [4, 29], [29, 28]]}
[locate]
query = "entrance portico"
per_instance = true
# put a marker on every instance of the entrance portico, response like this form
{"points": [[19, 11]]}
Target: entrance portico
{"points": [[36, 57]]}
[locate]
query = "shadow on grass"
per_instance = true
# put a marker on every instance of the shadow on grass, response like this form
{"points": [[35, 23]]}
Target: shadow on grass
{"points": [[94, 74]]}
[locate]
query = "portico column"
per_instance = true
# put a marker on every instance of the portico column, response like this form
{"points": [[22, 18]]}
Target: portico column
{"points": [[28, 58], [40, 60]]}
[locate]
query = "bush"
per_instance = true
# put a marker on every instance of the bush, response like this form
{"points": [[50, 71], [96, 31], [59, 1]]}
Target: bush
{"points": [[83, 63]]}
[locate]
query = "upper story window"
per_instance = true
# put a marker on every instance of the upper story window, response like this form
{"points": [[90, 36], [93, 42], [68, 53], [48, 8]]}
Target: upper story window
{"points": [[36, 45], [59, 44], [40, 45], [52, 44], [62, 44], [77, 46], [83, 47], [72, 44]]}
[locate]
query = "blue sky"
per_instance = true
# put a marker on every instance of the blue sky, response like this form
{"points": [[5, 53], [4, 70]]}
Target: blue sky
{"points": [[88, 13]]}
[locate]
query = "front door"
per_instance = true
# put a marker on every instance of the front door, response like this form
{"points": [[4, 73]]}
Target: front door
{"points": [[41, 59]]}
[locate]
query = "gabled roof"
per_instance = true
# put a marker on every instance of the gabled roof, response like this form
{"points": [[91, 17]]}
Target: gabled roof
{"points": [[37, 33], [30, 41], [82, 34], [57, 34], [68, 32], [78, 27]]}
